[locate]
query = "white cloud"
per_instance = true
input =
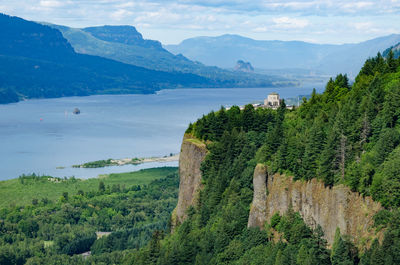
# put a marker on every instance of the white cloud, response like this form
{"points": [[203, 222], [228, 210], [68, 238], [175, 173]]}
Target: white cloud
{"points": [[319, 20], [291, 5], [260, 29], [120, 14], [159, 17], [51, 3], [358, 5], [290, 23], [362, 25]]}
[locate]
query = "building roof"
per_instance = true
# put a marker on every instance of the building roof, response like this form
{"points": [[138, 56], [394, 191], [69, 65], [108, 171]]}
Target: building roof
{"points": [[274, 94]]}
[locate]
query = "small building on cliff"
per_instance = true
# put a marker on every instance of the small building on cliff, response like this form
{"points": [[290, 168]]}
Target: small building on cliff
{"points": [[272, 101]]}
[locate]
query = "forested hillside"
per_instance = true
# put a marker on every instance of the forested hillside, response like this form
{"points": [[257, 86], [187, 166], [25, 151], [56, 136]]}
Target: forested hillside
{"points": [[125, 44], [348, 135], [36, 61], [395, 49], [55, 231]]}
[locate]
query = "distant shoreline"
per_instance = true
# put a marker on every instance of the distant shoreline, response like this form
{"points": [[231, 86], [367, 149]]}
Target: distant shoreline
{"points": [[127, 161]]}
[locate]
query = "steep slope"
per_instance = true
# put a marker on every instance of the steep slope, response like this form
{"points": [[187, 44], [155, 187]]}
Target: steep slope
{"points": [[332, 192], [225, 50], [126, 44], [36, 61], [192, 155], [349, 58], [243, 66], [122, 34], [331, 208], [395, 49]]}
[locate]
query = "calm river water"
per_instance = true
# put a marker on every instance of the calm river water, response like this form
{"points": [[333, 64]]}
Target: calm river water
{"points": [[40, 135]]}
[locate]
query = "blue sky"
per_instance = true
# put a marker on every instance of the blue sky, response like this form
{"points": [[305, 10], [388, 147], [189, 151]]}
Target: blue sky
{"points": [[330, 21]]}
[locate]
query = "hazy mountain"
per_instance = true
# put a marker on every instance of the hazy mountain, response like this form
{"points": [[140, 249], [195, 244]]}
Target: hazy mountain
{"points": [[126, 44], [37, 61], [122, 34], [225, 50], [349, 58], [395, 49]]}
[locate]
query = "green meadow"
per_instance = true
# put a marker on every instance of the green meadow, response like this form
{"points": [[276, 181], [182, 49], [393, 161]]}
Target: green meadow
{"points": [[23, 190]]}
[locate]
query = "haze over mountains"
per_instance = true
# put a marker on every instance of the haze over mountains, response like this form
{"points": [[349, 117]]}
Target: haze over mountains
{"points": [[126, 44], [223, 51], [395, 49], [37, 62], [44, 60]]}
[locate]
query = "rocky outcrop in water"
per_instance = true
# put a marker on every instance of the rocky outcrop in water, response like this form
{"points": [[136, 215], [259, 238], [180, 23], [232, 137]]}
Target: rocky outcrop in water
{"points": [[193, 152], [318, 205]]}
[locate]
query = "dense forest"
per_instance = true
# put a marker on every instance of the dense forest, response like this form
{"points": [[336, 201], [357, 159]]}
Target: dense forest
{"points": [[350, 134], [48, 231]]}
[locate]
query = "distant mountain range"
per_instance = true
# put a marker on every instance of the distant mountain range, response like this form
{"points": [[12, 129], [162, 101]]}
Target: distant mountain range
{"points": [[39, 60], [126, 44], [225, 50], [36, 61], [395, 49]]}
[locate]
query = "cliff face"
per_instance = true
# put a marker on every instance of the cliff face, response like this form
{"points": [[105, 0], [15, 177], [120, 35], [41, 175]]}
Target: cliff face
{"points": [[242, 66], [193, 152], [317, 204], [258, 209]]}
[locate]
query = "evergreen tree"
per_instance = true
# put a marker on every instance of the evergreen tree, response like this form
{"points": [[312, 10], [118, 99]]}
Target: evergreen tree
{"points": [[391, 62], [102, 187], [302, 256]]}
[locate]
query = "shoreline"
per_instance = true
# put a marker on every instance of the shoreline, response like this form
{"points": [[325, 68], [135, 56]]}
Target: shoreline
{"points": [[126, 161]]}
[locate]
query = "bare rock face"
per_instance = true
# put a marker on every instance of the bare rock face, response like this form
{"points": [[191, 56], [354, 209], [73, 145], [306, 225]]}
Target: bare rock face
{"points": [[318, 205], [242, 66], [258, 209], [193, 152]]}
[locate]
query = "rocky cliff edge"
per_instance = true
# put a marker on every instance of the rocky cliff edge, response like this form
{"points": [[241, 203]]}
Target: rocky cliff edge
{"points": [[193, 152], [329, 207]]}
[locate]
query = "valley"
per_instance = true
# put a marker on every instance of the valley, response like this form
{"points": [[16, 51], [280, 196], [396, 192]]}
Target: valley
{"points": [[223, 149]]}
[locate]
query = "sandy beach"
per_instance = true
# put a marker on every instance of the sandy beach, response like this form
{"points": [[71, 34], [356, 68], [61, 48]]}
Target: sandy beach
{"points": [[126, 161]]}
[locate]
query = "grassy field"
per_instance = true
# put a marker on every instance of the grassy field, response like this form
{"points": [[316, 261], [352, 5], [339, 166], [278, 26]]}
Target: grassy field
{"points": [[17, 192]]}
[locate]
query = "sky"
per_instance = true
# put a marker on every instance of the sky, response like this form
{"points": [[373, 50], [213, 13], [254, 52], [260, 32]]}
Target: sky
{"points": [[328, 21]]}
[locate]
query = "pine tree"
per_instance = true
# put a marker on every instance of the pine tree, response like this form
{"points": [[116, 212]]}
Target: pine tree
{"points": [[342, 251], [279, 258], [314, 145], [327, 163], [377, 256], [319, 247], [102, 187], [248, 117], [335, 241], [302, 256], [391, 62]]}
